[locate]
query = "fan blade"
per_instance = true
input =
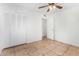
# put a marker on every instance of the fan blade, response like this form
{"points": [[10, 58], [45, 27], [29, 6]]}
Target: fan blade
{"points": [[43, 6], [48, 10], [51, 3], [59, 7]]}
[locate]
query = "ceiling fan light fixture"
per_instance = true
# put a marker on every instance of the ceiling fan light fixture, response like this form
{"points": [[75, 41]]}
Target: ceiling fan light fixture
{"points": [[54, 7], [50, 7]]}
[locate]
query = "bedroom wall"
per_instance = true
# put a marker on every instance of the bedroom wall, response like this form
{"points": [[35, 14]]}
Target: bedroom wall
{"points": [[18, 25], [67, 24], [2, 28]]}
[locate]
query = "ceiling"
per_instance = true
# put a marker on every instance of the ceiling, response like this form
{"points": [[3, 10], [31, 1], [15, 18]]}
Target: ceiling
{"points": [[33, 7]]}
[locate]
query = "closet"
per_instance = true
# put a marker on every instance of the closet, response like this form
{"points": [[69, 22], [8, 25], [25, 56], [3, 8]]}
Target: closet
{"points": [[19, 26]]}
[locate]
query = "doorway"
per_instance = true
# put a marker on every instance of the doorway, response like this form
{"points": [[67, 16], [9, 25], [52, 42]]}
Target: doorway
{"points": [[44, 27]]}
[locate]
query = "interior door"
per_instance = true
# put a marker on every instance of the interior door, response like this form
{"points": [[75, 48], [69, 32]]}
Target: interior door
{"points": [[50, 27]]}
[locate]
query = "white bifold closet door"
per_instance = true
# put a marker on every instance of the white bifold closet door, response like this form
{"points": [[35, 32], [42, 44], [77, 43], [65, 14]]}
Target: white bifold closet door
{"points": [[15, 29], [21, 28]]}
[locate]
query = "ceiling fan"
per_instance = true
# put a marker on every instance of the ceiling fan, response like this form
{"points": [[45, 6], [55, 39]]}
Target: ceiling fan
{"points": [[51, 6]]}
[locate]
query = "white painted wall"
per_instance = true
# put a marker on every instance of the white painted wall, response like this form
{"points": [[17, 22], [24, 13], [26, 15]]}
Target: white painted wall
{"points": [[67, 24], [18, 25], [2, 28]]}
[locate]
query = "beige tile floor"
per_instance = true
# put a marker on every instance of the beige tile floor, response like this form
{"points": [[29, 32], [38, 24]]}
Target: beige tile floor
{"points": [[44, 47]]}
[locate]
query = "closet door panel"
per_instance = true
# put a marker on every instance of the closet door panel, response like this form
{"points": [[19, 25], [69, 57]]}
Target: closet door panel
{"points": [[17, 30], [7, 40], [26, 26]]}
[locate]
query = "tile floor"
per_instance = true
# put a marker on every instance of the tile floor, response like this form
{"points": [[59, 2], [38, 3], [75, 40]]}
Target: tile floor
{"points": [[45, 47]]}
